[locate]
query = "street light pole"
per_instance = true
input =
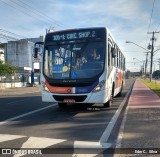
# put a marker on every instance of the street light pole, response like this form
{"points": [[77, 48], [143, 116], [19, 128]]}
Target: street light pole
{"points": [[136, 45], [146, 63], [152, 51]]}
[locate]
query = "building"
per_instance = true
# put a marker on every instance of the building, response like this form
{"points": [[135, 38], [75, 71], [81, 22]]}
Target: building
{"points": [[19, 54], [2, 51]]}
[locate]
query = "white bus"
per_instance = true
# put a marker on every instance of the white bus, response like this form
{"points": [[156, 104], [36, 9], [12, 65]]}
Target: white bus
{"points": [[82, 66]]}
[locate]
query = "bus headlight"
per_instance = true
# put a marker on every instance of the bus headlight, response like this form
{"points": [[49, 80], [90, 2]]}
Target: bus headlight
{"points": [[99, 86], [45, 87]]}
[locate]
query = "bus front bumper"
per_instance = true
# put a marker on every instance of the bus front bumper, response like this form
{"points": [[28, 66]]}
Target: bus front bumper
{"points": [[93, 97]]}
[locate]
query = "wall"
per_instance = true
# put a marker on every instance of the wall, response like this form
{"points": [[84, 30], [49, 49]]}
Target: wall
{"points": [[19, 53]]}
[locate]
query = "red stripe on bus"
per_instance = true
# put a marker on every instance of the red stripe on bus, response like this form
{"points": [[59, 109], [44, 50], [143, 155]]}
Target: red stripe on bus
{"points": [[59, 90]]}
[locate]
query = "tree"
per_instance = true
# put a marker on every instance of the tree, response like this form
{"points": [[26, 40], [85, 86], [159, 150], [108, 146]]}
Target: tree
{"points": [[156, 74], [6, 69]]}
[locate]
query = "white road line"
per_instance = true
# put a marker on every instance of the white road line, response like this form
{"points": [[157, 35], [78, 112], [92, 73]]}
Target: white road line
{"points": [[89, 144], [121, 131], [8, 137], [105, 136], [93, 145], [41, 142], [26, 114], [120, 135]]}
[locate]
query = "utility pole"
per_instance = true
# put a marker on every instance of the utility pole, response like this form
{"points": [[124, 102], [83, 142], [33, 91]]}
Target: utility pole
{"points": [[152, 49], [146, 63], [159, 64]]}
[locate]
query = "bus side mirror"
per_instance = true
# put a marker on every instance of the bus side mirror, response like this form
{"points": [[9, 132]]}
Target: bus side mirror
{"points": [[113, 51], [35, 52], [37, 49]]}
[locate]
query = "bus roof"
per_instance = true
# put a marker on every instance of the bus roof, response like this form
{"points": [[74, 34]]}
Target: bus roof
{"points": [[76, 29]]}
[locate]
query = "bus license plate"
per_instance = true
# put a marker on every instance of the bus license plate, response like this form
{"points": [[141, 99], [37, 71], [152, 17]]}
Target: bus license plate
{"points": [[69, 100]]}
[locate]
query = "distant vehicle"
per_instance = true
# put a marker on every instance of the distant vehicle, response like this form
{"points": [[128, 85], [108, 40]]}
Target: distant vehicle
{"points": [[82, 66]]}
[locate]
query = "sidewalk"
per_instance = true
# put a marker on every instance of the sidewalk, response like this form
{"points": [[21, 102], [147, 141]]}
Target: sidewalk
{"points": [[141, 121], [19, 91]]}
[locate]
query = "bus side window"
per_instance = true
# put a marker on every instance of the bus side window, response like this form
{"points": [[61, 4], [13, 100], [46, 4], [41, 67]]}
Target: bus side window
{"points": [[117, 58], [124, 65], [109, 49], [114, 59], [120, 60], [109, 56]]}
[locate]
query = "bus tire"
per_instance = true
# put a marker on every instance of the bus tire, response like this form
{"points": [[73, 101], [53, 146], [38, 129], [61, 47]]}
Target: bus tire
{"points": [[108, 104], [120, 93], [62, 105]]}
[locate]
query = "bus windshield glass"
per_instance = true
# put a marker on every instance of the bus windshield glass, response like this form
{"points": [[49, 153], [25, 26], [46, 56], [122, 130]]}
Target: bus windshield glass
{"points": [[74, 60]]}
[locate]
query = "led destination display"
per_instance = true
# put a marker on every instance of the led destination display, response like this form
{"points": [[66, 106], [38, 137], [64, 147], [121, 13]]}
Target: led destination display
{"points": [[75, 35]]}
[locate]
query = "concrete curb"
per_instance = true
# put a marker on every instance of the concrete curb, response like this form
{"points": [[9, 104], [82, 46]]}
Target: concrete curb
{"points": [[19, 91], [121, 130]]}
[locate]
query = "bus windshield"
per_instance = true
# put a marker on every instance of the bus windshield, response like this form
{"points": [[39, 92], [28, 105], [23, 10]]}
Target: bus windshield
{"points": [[74, 60]]}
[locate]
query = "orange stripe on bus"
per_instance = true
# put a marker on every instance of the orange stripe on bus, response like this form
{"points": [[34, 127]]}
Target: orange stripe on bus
{"points": [[59, 90], [119, 79]]}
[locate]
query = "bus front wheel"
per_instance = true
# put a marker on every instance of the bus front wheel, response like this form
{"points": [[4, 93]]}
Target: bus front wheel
{"points": [[108, 103]]}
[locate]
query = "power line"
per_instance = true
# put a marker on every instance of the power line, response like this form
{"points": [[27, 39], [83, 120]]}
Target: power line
{"points": [[42, 14], [152, 51], [15, 8], [150, 19], [7, 32], [7, 37], [32, 11], [151, 15]]}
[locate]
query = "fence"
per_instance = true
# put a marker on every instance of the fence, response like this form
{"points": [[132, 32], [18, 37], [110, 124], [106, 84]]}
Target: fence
{"points": [[16, 80]]}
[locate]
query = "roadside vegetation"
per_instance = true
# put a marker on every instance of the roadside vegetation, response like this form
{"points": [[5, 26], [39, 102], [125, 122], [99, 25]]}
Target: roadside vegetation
{"points": [[154, 85], [6, 69]]}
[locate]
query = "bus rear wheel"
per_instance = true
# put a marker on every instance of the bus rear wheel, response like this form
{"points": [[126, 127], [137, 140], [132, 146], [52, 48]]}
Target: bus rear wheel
{"points": [[62, 105]]}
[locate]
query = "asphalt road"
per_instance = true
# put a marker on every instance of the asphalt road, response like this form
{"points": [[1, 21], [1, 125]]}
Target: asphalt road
{"points": [[26, 122]]}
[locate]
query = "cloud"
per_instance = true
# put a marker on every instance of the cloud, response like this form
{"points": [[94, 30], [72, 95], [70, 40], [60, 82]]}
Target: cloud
{"points": [[127, 20]]}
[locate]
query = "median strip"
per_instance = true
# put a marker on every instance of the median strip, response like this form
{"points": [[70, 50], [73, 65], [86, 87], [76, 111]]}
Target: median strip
{"points": [[106, 134]]}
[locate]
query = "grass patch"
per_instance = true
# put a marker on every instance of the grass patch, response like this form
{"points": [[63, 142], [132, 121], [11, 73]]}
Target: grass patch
{"points": [[155, 86]]}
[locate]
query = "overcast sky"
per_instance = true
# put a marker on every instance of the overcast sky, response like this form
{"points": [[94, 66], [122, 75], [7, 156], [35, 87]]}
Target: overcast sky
{"points": [[128, 20]]}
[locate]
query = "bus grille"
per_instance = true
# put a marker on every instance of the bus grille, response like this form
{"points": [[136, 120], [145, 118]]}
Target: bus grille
{"points": [[80, 98]]}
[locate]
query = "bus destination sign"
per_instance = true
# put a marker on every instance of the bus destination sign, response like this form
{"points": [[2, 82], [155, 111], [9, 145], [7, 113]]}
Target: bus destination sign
{"points": [[75, 35]]}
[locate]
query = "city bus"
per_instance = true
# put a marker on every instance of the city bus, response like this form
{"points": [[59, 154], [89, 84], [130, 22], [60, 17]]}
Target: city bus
{"points": [[82, 66]]}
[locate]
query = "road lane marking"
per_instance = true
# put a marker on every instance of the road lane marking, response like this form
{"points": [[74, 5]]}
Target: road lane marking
{"points": [[8, 137], [100, 147], [43, 142], [89, 144], [106, 134], [39, 142], [26, 114]]}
